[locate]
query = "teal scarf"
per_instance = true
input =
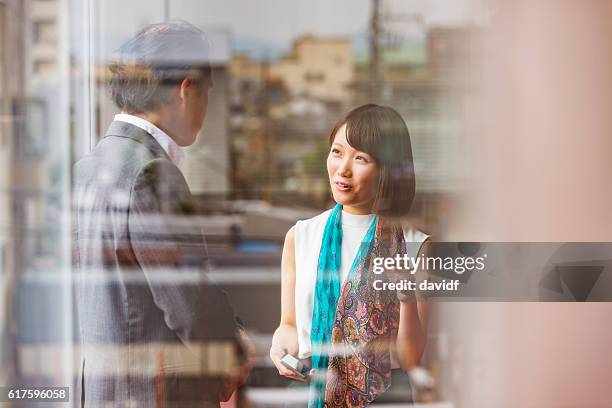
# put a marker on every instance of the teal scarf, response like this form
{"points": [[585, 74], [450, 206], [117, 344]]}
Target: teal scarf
{"points": [[327, 293]]}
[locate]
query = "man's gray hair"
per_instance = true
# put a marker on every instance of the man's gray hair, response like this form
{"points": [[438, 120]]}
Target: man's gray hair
{"points": [[157, 58]]}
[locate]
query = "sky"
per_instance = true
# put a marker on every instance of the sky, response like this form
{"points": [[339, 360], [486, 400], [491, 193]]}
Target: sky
{"points": [[272, 24]]}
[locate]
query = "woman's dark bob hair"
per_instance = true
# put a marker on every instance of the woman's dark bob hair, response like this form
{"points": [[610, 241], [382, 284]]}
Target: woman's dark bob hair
{"points": [[382, 133]]}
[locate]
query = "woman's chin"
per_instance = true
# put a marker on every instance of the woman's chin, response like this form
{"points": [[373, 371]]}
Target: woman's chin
{"points": [[341, 197]]}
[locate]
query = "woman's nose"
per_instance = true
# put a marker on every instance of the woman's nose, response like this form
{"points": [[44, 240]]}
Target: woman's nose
{"points": [[344, 169]]}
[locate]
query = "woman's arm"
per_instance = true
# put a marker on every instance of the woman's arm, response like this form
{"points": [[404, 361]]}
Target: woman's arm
{"points": [[285, 339], [412, 331]]}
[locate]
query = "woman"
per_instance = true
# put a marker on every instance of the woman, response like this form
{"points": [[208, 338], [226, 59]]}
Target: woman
{"points": [[330, 310]]}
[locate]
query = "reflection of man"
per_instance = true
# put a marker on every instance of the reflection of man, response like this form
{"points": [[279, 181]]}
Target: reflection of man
{"points": [[152, 332]]}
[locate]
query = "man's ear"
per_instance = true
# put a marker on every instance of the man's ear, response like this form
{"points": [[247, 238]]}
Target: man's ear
{"points": [[185, 83]]}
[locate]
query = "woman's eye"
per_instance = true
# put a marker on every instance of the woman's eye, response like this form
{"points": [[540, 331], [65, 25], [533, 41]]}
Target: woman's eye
{"points": [[362, 158], [335, 151]]}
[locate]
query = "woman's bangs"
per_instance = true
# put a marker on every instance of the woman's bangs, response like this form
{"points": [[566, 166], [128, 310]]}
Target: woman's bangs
{"points": [[362, 134]]}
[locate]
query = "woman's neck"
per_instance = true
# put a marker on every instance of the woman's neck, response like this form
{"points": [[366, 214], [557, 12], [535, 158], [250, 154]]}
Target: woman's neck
{"points": [[357, 210]]}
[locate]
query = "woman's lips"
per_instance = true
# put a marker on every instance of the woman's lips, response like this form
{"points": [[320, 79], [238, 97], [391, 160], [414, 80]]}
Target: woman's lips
{"points": [[343, 186]]}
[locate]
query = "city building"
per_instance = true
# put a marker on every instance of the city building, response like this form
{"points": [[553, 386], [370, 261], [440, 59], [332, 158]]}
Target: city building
{"points": [[248, 77], [243, 68], [42, 37], [12, 78], [320, 67], [40, 145]]}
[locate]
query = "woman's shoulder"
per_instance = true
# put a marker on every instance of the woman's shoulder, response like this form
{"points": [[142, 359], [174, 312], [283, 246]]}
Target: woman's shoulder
{"points": [[414, 239], [315, 221], [310, 230], [412, 231], [413, 234], [308, 234]]}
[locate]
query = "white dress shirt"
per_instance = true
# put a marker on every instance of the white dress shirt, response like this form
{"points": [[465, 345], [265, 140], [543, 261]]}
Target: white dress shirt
{"points": [[173, 150]]}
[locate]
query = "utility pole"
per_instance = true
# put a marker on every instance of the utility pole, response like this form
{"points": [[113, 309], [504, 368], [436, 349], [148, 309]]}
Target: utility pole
{"points": [[375, 31], [379, 28], [166, 10]]}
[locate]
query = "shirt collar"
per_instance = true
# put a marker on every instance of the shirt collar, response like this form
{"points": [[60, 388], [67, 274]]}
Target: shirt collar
{"points": [[173, 150]]}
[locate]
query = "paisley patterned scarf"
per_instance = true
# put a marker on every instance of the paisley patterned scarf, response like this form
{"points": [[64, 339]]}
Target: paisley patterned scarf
{"points": [[353, 325]]}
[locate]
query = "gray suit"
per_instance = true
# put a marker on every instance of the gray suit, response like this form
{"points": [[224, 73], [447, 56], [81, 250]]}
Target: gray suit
{"points": [[152, 331]]}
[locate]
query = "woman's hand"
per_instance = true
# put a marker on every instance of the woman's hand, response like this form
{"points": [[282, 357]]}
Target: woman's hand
{"points": [[285, 342]]}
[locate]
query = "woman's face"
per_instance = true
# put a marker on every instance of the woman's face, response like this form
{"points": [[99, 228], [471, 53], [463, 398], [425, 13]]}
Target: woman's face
{"points": [[353, 175]]}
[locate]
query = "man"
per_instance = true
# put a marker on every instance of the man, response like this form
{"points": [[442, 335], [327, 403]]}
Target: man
{"points": [[153, 332]]}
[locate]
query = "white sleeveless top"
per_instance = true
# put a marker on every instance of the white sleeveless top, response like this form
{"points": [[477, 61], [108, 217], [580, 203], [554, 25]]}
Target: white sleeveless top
{"points": [[308, 236]]}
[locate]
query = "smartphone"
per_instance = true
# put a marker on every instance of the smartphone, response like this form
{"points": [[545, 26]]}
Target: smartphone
{"points": [[293, 364]]}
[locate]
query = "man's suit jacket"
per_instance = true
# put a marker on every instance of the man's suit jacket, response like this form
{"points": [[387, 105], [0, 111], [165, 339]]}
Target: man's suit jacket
{"points": [[153, 332]]}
